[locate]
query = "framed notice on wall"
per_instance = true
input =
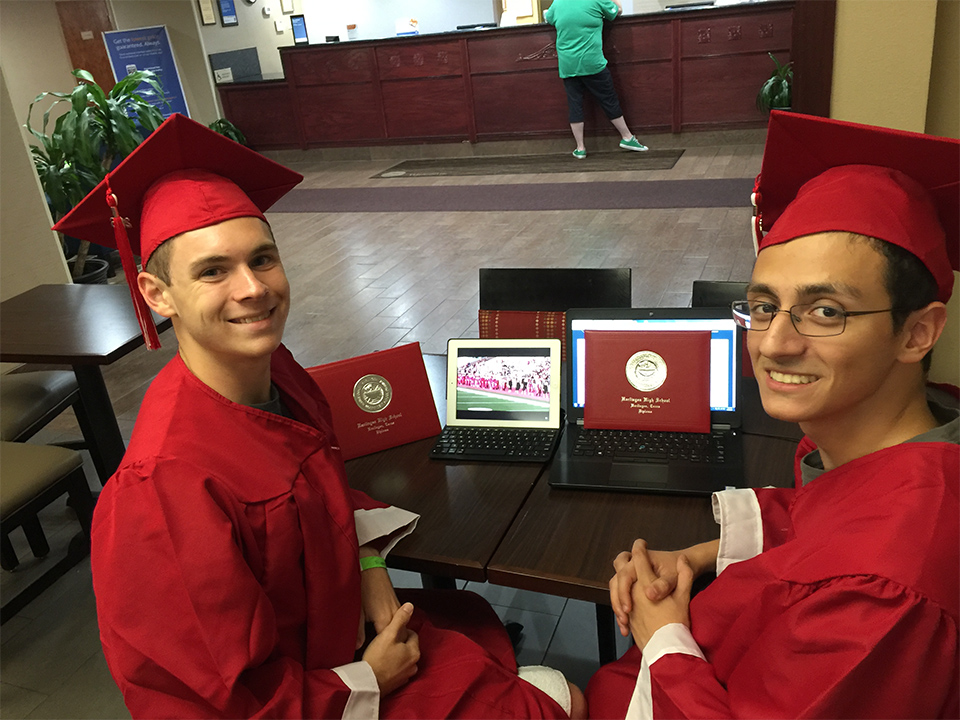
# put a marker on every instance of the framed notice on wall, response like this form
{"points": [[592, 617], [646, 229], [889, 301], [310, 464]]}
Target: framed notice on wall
{"points": [[208, 15], [228, 13]]}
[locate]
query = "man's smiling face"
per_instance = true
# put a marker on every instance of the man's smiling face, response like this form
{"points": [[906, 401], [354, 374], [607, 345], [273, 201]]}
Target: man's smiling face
{"points": [[810, 379], [228, 291]]}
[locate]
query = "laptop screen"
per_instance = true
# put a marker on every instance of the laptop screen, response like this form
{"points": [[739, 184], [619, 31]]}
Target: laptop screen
{"points": [[725, 350], [505, 383]]}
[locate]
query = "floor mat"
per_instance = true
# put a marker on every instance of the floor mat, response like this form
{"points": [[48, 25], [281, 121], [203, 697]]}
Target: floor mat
{"points": [[733, 192], [525, 164]]}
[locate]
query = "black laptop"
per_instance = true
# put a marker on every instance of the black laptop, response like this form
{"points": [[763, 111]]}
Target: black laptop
{"points": [[650, 461]]}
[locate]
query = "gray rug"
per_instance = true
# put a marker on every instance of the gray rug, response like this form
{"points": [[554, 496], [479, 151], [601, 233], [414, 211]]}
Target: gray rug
{"points": [[534, 196], [526, 164]]}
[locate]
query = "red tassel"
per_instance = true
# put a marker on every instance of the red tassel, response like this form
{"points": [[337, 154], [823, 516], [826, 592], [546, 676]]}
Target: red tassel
{"points": [[757, 214], [147, 327]]}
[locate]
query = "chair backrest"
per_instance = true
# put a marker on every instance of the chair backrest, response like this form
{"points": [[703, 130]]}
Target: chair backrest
{"points": [[554, 289], [720, 293], [717, 293], [532, 302]]}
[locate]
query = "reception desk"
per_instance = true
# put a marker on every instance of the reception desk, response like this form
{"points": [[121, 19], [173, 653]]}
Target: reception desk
{"points": [[675, 71]]}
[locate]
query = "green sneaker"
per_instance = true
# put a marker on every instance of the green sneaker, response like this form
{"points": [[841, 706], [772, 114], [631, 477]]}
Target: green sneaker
{"points": [[580, 154], [633, 144]]}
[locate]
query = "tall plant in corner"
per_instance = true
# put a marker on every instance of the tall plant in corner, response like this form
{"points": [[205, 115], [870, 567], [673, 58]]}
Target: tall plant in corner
{"points": [[97, 130]]}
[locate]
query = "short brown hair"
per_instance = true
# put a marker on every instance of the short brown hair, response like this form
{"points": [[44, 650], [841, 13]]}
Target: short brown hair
{"points": [[159, 262]]}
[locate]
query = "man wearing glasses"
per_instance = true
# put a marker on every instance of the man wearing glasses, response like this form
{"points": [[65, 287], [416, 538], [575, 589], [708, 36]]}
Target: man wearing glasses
{"points": [[839, 597]]}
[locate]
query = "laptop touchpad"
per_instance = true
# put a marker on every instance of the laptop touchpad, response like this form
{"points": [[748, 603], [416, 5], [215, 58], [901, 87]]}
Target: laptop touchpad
{"points": [[638, 475]]}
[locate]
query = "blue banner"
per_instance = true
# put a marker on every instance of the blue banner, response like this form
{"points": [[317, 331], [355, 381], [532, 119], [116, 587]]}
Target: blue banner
{"points": [[148, 49]]}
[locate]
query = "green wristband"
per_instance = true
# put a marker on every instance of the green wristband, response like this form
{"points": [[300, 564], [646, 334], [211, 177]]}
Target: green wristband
{"points": [[372, 561]]}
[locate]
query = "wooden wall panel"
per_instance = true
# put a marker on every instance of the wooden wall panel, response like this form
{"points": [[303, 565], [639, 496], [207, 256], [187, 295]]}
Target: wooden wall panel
{"points": [[725, 35], [635, 43], [694, 69], [418, 60], [814, 22], [520, 102], [431, 107], [535, 50], [82, 22], [340, 113], [723, 87], [340, 65], [646, 94], [263, 112]]}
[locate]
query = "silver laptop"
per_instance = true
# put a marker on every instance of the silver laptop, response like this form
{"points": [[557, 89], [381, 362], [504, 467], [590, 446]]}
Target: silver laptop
{"points": [[502, 400], [645, 461]]}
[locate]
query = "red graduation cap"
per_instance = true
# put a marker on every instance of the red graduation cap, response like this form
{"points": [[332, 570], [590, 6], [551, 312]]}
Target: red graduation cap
{"points": [[183, 177], [822, 175]]}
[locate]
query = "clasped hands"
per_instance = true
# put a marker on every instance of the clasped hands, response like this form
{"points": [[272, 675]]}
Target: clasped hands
{"points": [[651, 588], [394, 652]]}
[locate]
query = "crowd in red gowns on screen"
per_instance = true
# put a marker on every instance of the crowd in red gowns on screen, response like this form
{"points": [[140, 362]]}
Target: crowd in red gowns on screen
{"points": [[523, 376]]}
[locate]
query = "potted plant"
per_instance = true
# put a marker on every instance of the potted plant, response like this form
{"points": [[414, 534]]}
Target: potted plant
{"points": [[97, 131], [775, 91]]}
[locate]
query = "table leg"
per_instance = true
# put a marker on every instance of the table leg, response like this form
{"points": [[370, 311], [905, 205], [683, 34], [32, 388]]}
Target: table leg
{"points": [[606, 634], [435, 582], [98, 422]]}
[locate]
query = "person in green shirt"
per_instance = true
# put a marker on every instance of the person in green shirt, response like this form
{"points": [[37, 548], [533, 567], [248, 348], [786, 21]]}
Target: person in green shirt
{"points": [[579, 25]]}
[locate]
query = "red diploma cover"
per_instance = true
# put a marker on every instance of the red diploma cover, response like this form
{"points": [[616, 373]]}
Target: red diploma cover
{"points": [[379, 400], [647, 380]]}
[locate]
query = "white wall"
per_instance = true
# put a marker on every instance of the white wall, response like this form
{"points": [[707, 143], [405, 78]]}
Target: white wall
{"points": [[30, 253], [179, 18], [377, 18], [253, 29], [33, 56]]}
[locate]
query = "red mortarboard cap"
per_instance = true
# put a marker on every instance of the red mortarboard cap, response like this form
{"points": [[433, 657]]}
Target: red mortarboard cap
{"points": [[183, 177], [822, 175]]}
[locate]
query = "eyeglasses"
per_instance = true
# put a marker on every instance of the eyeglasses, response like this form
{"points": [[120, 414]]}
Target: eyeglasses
{"points": [[812, 320]]}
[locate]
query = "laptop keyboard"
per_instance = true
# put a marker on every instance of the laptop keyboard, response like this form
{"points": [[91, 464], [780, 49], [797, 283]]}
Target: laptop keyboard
{"points": [[651, 446], [506, 444]]}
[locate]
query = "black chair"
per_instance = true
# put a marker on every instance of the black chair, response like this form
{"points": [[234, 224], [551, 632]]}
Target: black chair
{"points": [[532, 302], [30, 401], [717, 293], [554, 289], [32, 477]]}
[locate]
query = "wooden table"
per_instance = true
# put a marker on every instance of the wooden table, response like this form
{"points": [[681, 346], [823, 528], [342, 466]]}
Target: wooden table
{"points": [[84, 326], [465, 508], [563, 542], [503, 523]]}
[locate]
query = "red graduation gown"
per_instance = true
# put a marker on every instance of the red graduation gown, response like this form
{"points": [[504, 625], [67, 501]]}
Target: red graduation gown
{"points": [[851, 610], [226, 571]]}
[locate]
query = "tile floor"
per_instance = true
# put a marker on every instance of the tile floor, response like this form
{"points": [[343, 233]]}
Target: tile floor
{"points": [[369, 281]]}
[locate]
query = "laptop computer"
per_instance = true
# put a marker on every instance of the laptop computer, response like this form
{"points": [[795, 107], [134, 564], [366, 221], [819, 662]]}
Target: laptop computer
{"points": [[502, 400], [659, 468]]}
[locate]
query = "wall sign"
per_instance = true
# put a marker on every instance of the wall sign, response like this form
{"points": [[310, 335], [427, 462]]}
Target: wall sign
{"points": [[207, 14], [228, 13], [148, 49]]}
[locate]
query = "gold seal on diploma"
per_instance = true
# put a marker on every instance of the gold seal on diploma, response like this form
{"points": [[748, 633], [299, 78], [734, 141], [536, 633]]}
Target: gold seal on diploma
{"points": [[372, 393], [646, 370]]}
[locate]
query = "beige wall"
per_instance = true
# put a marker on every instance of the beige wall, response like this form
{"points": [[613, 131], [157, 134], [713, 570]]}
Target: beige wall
{"points": [[33, 55], [255, 30], [882, 57], [943, 103], [188, 49], [29, 252]]}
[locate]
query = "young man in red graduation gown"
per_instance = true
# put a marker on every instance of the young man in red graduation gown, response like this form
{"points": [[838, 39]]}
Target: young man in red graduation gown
{"points": [[838, 598], [233, 568]]}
